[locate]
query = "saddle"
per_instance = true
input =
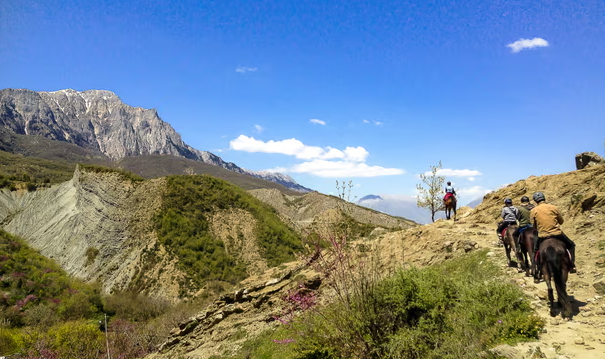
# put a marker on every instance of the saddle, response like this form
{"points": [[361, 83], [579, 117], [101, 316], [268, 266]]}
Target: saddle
{"points": [[447, 196], [522, 229], [504, 232], [540, 240]]}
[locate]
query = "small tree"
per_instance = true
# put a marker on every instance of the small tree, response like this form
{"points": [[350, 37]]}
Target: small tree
{"points": [[429, 195]]}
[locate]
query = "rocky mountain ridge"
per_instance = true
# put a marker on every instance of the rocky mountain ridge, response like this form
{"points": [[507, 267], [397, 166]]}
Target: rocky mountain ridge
{"points": [[98, 120]]}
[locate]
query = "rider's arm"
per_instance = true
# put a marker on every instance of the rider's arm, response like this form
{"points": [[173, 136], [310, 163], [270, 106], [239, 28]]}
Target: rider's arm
{"points": [[559, 217]]}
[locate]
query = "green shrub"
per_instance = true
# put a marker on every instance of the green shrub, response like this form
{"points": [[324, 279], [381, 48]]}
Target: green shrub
{"points": [[10, 341], [101, 169], [135, 307], [91, 255], [453, 310], [29, 280], [77, 340]]}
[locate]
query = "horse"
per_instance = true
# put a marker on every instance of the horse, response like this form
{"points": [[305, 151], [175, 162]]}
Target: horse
{"points": [[525, 252], [509, 242], [556, 264], [450, 204]]}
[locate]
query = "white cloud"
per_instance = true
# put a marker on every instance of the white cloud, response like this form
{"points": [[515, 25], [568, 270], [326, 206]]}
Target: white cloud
{"points": [[319, 161], [339, 169], [471, 193], [457, 173], [375, 123], [258, 128], [294, 147], [317, 122], [523, 44], [244, 69]]}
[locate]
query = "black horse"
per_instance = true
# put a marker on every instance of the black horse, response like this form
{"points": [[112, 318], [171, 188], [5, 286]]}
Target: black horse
{"points": [[556, 264]]}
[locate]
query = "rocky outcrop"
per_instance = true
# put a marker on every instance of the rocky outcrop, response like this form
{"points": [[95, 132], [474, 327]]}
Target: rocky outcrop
{"points": [[98, 120], [225, 324], [587, 159]]}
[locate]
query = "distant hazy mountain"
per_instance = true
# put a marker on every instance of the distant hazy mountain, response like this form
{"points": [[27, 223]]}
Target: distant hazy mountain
{"points": [[98, 120], [368, 198], [396, 205], [475, 203]]}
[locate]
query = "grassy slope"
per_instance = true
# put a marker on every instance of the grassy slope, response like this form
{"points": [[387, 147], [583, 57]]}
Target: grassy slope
{"points": [[183, 227], [29, 280]]}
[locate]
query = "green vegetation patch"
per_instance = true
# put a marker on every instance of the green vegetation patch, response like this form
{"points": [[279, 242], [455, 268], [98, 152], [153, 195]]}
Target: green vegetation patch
{"points": [[102, 169], [34, 290], [183, 227], [454, 310], [15, 169]]}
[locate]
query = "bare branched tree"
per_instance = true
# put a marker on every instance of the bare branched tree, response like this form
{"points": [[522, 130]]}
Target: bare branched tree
{"points": [[430, 191]]}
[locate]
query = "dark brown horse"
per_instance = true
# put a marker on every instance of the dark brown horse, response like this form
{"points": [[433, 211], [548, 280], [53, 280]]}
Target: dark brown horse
{"points": [[525, 251], [509, 242], [556, 264], [450, 204]]}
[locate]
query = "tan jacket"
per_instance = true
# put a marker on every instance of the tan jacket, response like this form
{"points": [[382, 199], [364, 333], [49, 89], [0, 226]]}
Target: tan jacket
{"points": [[547, 219]]}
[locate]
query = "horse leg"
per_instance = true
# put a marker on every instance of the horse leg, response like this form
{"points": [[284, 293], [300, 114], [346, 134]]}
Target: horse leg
{"points": [[507, 249], [526, 263], [551, 297], [561, 285], [454, 213]]}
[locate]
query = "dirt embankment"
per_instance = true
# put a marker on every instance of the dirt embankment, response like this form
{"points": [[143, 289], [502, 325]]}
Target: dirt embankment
{"points": [[96, 226]]}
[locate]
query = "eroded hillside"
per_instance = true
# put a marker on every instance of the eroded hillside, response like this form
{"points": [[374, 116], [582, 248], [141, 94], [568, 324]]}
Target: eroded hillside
{"points": [[168, 237], [96, 226], [313, 208], [225, 326]]}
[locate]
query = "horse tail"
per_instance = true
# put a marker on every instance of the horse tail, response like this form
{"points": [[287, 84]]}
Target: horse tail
{"points": [[555, 260]]}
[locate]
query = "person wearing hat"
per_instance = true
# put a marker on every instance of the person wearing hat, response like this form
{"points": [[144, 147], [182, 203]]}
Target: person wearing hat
{"points": [[547, 219], [524, 219], [509, 215]]}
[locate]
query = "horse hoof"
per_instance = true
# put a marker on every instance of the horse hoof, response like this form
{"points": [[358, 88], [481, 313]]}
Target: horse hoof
{"points": [[536, 281]]}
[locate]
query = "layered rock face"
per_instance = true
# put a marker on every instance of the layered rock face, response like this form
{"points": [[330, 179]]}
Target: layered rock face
{"points": [[99, 120], [96, 226]]}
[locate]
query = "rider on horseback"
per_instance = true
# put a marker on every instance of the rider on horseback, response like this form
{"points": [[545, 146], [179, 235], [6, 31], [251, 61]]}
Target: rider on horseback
{"points": [[524, 219], [547, 220], [509, 216], [449, 191]]}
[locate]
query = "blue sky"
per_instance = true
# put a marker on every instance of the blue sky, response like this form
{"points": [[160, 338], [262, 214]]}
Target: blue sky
{"points": [[402, 84]]}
